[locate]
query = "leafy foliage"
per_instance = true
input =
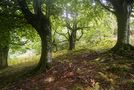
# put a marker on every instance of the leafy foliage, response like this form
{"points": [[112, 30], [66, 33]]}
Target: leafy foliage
{"points": [[87, 67]]}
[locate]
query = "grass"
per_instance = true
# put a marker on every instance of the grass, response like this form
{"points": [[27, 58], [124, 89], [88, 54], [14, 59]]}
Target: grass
{"points": [[18, 64], [16, 61], [17, 67]]}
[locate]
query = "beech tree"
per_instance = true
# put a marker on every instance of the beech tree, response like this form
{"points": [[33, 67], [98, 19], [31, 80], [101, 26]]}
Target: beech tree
{"points": [[72, 29], [41, 23], [4, 47], [122, 9], [7, 24], [4, 42], [75, 17]]}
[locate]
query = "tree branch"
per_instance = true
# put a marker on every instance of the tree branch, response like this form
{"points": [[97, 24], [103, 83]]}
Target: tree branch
{"points": [[79, 28], [63, 41], [20, 43], [37, 6], [62, 34], [80, 35], [68, 26], [68, 33], [106, 7], [11, 15], [25, 10]]}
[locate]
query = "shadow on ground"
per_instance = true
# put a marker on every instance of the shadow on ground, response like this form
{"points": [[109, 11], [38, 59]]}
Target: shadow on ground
{"points": [[82, 70]]}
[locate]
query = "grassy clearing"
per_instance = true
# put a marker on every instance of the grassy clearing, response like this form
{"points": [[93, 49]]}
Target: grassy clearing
{"points": [[18, 64], [17, 67], [16, 61]]}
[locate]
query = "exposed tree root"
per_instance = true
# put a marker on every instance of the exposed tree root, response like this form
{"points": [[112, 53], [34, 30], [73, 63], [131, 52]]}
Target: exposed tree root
{"points": [[40, 69], [126, 50]]}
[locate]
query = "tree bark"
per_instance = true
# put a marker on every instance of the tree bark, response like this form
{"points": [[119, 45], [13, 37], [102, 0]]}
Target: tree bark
{"points": [[43, 27], [123, 32], [45, 57], [72, 40], [4, 47], [4, 57]]}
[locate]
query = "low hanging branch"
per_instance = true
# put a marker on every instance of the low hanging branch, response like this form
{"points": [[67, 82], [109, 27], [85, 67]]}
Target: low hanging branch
{"points": [[62, 34], [106, 7], [20, 43], [11, 15], [68, 25], [37, 6], [54, 41], [63, 41], [68, 33], [25, 10], [82, 32], [79, 28]]}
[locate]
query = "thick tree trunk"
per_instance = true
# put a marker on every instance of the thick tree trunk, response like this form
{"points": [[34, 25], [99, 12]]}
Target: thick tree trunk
{"points": [[4, 57], [42, 25], [4, 47], [44, 31], [123, 23], [123, 33], [45, 57], [71, 43], [72, 40]]}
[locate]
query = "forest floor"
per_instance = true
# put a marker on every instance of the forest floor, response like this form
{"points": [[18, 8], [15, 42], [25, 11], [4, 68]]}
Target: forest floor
{"points": [[79, 70]]}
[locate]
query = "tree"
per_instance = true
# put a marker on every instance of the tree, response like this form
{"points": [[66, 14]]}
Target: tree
{"points": [[75, 21], [7, 20], [72, 29], [122, 10], [4, 44], [42, 25], [4, 47]]}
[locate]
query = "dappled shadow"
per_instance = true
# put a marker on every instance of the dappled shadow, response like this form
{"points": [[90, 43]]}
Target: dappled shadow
{"points": [[82, 54], [110, 68], [99, 55], [15, 73], [85, 69]]}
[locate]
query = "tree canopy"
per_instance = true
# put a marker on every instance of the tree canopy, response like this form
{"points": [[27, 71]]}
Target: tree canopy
{"points": [[66, 37]]}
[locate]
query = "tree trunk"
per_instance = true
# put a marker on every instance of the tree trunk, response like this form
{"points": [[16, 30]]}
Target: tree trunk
{"points": [[4, 57], [44, 31], [123, 23], [4, 47], [123, 33], [45, 57], [72, 40], [42, 25]]}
